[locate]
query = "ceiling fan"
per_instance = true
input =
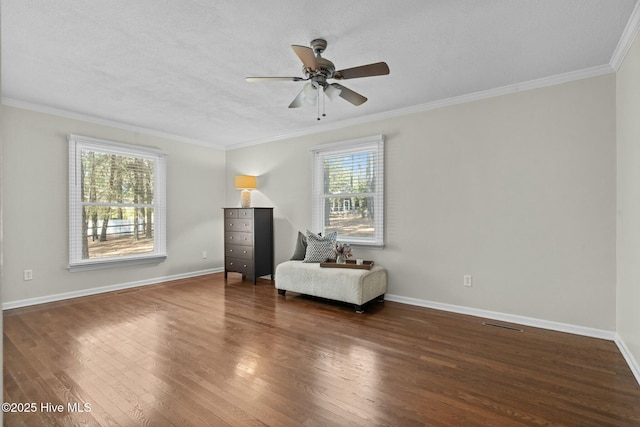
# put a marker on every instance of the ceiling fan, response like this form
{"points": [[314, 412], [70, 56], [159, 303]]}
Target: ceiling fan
{"points": [[317, 70]]}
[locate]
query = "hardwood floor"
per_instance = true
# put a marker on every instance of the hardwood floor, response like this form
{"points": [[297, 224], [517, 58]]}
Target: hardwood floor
{"points": [[204, 351]]}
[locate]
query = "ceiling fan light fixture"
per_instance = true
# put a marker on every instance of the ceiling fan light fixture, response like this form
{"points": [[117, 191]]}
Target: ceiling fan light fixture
{"points": [[332, 92], [310, 93]]}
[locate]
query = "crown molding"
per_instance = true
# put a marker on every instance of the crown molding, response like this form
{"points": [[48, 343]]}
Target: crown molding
{"points": [[447, 102], [326, 127], [626, 40], [11, 102]]}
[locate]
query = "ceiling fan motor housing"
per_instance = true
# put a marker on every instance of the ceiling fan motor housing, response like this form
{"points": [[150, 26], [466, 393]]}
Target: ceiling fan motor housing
{"points": [[326, 67], [325, 71]]}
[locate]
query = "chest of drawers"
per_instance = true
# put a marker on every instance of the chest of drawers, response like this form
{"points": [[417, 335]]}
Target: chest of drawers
{"points": [[248, 242]]}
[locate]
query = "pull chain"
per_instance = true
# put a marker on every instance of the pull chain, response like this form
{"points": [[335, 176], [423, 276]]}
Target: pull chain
{"points": [[322, 95], [324, 103]]}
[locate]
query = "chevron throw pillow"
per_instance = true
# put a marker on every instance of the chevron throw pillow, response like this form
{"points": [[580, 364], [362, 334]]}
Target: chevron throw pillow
{"points": [[320, 248]]}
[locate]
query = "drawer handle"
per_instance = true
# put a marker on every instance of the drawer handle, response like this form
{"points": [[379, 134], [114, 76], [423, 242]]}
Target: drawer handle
{"points": [[230, 263], [245, 266], [230, 250], [244, 252], [230, 237], [230, 224]]}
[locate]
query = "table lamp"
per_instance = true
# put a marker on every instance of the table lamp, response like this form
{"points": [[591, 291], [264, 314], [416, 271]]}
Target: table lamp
{"points": [[245, 183]]}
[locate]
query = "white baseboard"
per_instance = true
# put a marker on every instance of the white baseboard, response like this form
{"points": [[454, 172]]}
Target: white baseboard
{"points": [[631, 361], [511, 318], [93, 291]]}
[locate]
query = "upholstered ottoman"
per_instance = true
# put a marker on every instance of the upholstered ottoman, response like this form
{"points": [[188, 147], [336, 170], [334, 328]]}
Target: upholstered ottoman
{"points": [[350, 285]]}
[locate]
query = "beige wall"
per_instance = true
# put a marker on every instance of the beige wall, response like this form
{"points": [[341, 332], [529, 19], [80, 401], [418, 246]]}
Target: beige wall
{"points": [[35, 177], [628, 250], [517, 190]]}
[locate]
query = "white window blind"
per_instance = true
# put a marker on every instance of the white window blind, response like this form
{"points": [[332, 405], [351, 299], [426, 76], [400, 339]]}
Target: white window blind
{"points": [[348, 190], [117, 204]]}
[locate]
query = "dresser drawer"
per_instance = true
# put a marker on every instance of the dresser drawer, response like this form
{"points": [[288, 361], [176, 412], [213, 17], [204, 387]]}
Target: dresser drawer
{"points": [[238, 238], [238, 213], [245, 213], [231, 213], [238, 224], [235, 251], [239, 265]]}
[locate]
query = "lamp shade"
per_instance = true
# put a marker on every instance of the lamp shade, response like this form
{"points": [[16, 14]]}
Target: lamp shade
{"points": [[245, 181]]}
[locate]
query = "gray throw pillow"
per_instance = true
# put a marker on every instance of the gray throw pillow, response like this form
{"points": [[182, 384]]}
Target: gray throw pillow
{"points": [[301, 248], [320, 248]]}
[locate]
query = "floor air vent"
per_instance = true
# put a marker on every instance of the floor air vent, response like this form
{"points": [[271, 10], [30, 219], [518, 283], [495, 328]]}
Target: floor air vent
{"points": [[509, 328], [127, 291]]}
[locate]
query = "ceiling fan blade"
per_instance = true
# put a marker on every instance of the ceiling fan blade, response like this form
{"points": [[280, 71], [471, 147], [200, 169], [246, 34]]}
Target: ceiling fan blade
{"points": [[298, 101], [377, 69], [353, 97], [273, 79], [306, 55]]}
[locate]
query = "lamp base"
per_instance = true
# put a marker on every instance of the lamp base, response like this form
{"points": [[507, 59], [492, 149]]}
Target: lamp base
{"points": [[245, 199]]}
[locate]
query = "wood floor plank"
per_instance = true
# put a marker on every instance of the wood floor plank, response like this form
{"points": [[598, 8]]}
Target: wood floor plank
{"points": [[210, 351]]}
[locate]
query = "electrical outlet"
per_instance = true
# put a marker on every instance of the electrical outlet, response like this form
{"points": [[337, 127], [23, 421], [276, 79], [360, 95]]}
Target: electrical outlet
{"points": [[28, 275], [204, 254], [468, 280]]}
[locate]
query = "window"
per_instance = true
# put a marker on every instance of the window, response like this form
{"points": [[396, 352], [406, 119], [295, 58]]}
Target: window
{"points": [[348, 190], [117, 204]]}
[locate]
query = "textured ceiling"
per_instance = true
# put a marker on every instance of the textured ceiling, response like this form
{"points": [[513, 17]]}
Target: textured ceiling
{"points": [[178, 67]]}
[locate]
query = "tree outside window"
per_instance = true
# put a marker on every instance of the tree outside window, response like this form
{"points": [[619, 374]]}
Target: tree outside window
{"points": [[348, 190], [117, 204]]}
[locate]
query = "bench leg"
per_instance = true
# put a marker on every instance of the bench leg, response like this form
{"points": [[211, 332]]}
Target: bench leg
{"points": [[359, 308], [282, 291], [380, 298]]}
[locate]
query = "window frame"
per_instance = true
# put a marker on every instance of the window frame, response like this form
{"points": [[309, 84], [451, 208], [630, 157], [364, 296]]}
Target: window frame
{"points": [[366, 144], [79, 143]]}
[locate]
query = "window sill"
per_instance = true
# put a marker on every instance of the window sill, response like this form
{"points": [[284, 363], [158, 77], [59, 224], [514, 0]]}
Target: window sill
{"points": [[361, 244], [112, 263]]}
